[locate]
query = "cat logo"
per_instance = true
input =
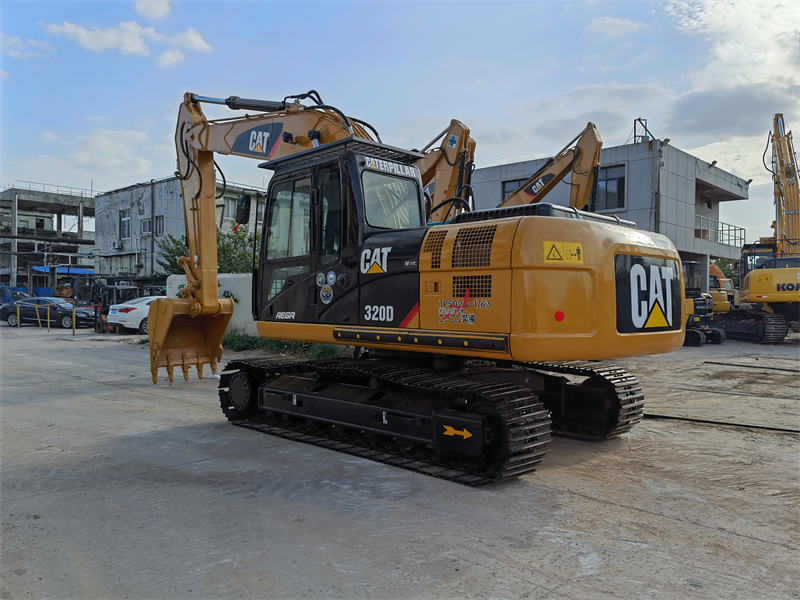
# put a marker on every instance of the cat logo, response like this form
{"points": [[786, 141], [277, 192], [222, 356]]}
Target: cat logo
{"points": [[537, 185], [655, 310], [258, 141], [374, 260], [648, 294]]}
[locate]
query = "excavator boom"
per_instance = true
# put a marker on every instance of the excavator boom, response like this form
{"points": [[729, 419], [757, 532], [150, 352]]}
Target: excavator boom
{"points": [[581, 157], [188, 331], [787, 200], [449, 167]]}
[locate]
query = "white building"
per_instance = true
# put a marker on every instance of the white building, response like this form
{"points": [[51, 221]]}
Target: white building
{"points": [[130, 221], [658, 186]]}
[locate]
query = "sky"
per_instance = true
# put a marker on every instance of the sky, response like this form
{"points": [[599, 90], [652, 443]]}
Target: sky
{"points": [[90, 90]]}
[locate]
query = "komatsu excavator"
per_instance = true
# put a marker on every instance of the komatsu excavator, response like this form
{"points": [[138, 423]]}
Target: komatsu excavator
{"points": [[475, 339], [769, 270]]}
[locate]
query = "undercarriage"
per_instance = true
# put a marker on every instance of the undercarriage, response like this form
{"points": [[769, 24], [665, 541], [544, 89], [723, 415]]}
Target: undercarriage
{"points": [[476, 425]]}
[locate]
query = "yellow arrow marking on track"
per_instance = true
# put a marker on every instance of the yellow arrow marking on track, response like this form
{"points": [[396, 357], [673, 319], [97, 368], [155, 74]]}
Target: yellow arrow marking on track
{"points": [[452, 431]]}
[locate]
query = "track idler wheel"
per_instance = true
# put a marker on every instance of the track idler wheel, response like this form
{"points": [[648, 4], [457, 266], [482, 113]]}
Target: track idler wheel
{"points": [[694, 338], [715, 336], [243, 390]]}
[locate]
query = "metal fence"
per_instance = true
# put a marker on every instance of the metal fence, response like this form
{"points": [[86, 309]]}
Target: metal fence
{"points": [[52, 188], [716, 231]]}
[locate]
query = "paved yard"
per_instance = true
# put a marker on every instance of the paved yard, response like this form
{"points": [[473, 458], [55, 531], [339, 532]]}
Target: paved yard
{"points": [[115, 488]]}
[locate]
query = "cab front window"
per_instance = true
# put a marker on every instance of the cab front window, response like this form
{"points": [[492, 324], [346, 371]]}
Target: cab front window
{"points": [[391, 202]]}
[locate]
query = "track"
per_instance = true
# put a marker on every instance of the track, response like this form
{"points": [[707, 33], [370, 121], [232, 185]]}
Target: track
{"points": [[754, 325], [523, 425]]}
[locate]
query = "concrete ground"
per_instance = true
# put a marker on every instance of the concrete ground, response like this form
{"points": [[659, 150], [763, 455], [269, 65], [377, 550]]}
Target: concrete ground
{"points": [[115, 488]]}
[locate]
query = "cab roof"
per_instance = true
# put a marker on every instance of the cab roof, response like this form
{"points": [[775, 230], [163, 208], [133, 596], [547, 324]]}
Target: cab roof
{"points": [[329, 152]]}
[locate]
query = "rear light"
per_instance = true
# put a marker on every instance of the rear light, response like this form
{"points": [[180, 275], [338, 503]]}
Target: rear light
{"points": [[126, 310]]}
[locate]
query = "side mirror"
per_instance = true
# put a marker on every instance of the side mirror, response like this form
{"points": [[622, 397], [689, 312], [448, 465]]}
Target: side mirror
{"points": [[243, 209]]}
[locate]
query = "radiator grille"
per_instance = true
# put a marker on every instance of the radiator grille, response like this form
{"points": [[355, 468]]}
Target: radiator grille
{"points": [[480, 286], [473, 247], [433, 244]]}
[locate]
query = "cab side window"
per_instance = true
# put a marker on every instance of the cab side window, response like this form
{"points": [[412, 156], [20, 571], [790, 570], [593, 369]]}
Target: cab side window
{"points": [[290, 220], [289, 233], [331, 217]]}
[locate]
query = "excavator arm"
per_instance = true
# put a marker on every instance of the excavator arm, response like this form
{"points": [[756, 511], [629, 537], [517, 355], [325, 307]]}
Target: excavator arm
{"points": [[580, 157], [188, 331], [787, 201], [449, 166]]}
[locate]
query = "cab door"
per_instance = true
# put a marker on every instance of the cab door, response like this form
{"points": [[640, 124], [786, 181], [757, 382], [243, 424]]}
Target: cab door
{"points": [[286, 278], [336, 281]]}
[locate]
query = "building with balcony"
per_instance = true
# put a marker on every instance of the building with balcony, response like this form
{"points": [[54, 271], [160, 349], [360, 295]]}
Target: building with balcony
{"points": [[659, 187], [37, 245], [130, 221]]}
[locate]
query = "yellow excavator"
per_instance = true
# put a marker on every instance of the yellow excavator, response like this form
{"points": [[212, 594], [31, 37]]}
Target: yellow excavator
{"points": [[769, 270], [475, 339], [447, 169]]}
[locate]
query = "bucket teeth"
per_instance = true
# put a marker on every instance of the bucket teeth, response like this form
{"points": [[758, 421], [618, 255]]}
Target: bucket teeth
{"points": [[180, 339]]}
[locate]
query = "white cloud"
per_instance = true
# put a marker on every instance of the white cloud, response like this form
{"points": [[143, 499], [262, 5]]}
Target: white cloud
{"points": [[740, 155], [11, 42], [13, 47], [752, 43], [49, 136], [129, 37], [190, 40], [170, 58], [110, 158], [3, 74], [613, 27], [43, 45], [155, 10]]}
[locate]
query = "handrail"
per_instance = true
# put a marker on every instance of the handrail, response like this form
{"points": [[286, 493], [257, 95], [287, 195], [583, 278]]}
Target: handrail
{"points": [[712, 230]]}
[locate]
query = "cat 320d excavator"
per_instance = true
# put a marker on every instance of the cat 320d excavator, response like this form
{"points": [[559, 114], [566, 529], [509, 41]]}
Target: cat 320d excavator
{"points": [[475, 338]]}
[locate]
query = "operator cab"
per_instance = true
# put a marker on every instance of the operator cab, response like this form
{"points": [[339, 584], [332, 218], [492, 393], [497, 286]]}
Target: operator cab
{"points": [[343, 225]]}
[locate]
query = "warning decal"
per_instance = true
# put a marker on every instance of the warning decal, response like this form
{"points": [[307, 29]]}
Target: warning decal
{"points": [[565, 253]]}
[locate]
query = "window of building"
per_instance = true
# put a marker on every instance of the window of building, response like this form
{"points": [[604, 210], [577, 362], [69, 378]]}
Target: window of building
{"points": [[159, 226], [509, 187], [611, 188], [124, 224], [259, 211], [39, 223], [705, 201], [230, 208], [147, 227]]}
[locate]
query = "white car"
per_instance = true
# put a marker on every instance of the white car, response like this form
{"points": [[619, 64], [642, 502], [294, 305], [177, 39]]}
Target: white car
{"points": [[131, 314]]}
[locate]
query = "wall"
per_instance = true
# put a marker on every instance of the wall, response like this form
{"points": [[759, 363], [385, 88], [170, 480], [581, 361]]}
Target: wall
{"points": [[138, 250], [240, 285], [650, 167]]}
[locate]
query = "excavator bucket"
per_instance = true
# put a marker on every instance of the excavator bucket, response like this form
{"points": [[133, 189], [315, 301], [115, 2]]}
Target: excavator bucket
{"points": [[178, 339]]}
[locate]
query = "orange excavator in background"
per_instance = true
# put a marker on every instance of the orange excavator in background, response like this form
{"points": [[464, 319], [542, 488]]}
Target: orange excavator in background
{"points": [[769, 270], [447, 169], [465, 332], [580, 158]]}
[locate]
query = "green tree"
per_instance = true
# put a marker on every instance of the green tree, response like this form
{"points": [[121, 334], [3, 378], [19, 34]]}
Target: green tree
{"points": [[727, 265], [234, 252], [171, 249]]}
